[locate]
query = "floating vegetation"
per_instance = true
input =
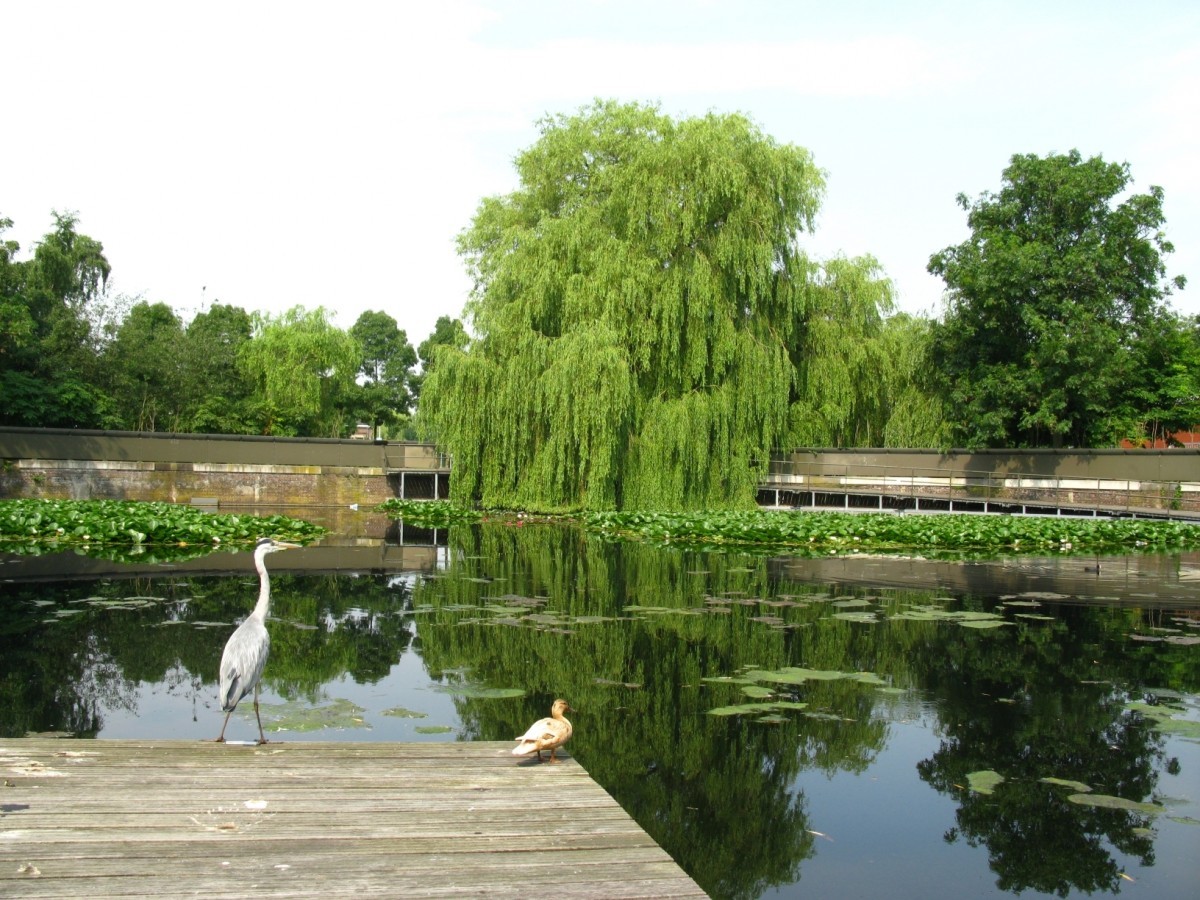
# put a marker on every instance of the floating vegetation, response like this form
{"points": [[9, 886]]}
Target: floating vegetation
{"points": [[1077, 786], [1166, 718], [826, 532], [429, 513], [1107, 801], [296, 716], [743, 709], [399, 712], [984, 781], [123, 530], [481, 692], [433, 729]]}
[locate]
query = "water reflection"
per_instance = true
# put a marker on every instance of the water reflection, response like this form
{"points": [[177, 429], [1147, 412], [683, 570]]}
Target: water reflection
{"points": [[876, 697]]}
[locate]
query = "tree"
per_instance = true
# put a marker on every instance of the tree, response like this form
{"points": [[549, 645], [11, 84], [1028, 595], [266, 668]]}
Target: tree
{"points": [[219, 391], [49, 349], [447, 332], [145, 363], [299, 364], [383, 396], [1047, 302], [636, 303], [1165, 388]]}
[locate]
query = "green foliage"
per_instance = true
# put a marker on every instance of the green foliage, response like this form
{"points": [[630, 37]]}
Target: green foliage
{"points": [[300, 364], [146, 359], [824, 533], [636, 300], [48, 346], [428, 513], [99, 526], [384, 396], [1048, 301]]}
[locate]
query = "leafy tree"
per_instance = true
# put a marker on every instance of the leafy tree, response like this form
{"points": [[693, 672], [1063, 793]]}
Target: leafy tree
{"points": [[1047, 302], [218, 389], [636, 305], [1165, 384], [447, 332], [145, 364], [300, 364], [48, 346], [16, 322], [383, 396]]}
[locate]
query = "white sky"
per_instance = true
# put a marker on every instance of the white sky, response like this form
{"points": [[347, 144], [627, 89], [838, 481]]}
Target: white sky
{"points": [[326, 154]]}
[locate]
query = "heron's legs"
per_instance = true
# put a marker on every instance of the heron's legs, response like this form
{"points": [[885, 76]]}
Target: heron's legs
{"points": [[221, 737], [262, 738]]}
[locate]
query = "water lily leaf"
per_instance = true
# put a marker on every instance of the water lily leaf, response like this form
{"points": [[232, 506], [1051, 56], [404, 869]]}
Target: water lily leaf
{"points": [[865, 618], [1107, 801], [400, 712], [851, 603], [1078, 786], [984, 781], [982, 623], [481, 692], [741, 709], [433, 729], [298, 716], [757, 691], [1184, 820]]}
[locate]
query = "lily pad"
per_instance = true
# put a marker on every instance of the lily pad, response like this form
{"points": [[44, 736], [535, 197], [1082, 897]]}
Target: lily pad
{"points": [[1107, 801], [984, 781], [481, 692], [743, 709], [300, 717], [757, 691], [433, 729], [1077, 786], [400, 712]]}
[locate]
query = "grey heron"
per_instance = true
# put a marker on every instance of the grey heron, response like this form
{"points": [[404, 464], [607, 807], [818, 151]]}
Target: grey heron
{"points": [[246, 650]]}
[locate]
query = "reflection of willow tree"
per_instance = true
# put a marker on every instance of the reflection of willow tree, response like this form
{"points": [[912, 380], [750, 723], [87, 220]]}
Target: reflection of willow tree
{"points": [[1049, 718], [717, 793], [57, 675]]}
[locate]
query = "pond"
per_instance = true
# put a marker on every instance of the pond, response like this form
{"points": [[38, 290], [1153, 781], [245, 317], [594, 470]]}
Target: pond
{"points": [[851, 727]]}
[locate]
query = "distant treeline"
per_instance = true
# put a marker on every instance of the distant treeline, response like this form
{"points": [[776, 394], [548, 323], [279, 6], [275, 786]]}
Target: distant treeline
{"points": [[646, 327]]}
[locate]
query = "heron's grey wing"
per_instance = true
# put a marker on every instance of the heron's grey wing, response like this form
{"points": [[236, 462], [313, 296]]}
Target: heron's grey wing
{"points": [[242, 662]]}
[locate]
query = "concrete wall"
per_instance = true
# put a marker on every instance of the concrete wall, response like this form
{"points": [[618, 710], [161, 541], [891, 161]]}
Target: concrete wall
{"points": [[229, 469], [66, 463], [1166, 479]]}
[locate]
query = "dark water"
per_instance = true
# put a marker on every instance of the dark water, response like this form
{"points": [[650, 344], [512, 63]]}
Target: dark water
{"points": [[886, 686]]}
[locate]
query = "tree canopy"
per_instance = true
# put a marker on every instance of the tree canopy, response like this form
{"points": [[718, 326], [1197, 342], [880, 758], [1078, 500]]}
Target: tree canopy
{"points": [[638, 303], [1048, 305]]}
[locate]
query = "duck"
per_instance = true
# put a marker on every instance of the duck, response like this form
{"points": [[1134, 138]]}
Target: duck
{"points": [[546, 734]]}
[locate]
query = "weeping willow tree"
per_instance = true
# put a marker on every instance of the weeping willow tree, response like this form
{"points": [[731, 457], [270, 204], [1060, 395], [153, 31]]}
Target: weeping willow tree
{"points": [[863, 377], [637, 304]]}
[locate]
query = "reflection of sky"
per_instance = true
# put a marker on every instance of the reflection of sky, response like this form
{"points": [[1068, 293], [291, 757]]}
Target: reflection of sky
{"points": [[885, 827], [184, 711]]}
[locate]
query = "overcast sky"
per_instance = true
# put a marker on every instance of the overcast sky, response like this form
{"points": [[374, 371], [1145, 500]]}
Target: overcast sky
{"points": [[269, 155]]}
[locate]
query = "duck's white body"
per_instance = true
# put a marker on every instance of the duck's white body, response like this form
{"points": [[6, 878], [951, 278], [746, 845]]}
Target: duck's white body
{"points": [[546, 734]]}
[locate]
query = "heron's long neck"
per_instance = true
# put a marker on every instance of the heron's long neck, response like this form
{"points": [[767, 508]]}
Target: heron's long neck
{"points": [[264, 590]]}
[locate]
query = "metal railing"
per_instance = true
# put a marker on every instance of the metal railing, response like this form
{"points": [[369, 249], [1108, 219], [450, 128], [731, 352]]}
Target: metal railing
{"points": [[983, 487]]}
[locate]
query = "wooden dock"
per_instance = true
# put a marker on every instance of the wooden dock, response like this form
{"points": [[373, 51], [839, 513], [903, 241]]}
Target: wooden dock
{"points": [[101, 818]]}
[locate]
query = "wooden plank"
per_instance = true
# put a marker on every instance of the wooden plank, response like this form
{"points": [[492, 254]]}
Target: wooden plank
{"points": [[172, 818]]}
